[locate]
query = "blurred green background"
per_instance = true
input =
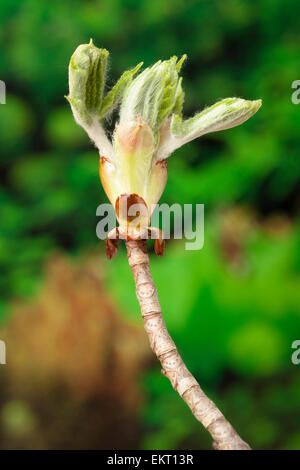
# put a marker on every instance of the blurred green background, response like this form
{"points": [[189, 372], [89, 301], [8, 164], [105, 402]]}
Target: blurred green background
{"points": [[79, 372]]}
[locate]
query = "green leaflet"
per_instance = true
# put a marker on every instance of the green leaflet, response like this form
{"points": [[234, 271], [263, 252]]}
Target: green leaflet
{"points": [[87, 75], [154, 94], [114, 96], [80, 113], [143, 96], [87, 72], [179, 99], [180, 62], [225, 114], [173, 96], [170, 85]]}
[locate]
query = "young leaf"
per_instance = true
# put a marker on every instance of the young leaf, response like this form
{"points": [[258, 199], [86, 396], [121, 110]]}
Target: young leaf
{"points": [[114, 96], [179, 98], [225, 114], [87, 72]]}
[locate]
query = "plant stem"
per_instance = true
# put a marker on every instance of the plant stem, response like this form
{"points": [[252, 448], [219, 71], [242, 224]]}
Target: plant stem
{"points": [[173, 367]]}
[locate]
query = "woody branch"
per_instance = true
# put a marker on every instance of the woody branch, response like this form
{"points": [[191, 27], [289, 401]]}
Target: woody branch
{"points": [[173, 367]]}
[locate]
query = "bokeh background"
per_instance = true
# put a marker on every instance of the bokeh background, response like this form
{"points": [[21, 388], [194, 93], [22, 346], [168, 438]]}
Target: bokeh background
{"points": [[79, 371]]}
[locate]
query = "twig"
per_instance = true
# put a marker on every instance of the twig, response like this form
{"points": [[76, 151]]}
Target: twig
{"points": [[173, 367]]}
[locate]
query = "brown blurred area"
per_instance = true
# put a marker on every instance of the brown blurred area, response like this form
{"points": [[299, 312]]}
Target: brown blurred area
{"points": [[74, 366], [240, 224]]}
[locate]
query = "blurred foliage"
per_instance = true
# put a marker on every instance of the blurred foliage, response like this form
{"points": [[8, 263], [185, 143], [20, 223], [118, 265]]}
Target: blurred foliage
{"points": [[74, 364], [233, 307]]}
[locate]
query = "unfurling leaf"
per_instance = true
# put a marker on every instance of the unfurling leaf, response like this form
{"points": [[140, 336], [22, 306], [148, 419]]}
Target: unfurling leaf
{"points": [[225, 114], [114, 96], [87, 71], [153, 94]]}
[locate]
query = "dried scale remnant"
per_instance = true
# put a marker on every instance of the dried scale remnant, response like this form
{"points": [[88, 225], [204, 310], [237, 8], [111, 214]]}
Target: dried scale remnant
{"points": [[133, 171], [173, 367]]}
